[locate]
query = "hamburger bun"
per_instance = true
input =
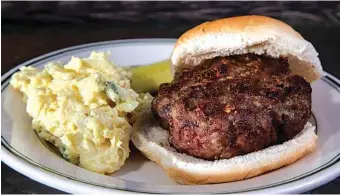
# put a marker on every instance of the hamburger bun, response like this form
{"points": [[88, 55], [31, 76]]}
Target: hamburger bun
{"points": [[231, 36], [247, 34], [152, 141]]}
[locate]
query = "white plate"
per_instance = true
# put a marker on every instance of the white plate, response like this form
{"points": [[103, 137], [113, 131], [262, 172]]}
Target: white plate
{"points": [[23, 151]]}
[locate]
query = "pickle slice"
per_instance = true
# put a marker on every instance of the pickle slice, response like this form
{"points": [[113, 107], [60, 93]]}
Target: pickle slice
{"points": [[148, 78]]}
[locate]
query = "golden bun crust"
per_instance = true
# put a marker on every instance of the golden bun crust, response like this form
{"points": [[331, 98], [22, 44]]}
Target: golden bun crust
{"points": [[237, 25], [247, 34], [152, 141]]}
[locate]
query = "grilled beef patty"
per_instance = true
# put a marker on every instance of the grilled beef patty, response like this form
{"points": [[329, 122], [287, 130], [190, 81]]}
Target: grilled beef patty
{"points": [[230, 106]]}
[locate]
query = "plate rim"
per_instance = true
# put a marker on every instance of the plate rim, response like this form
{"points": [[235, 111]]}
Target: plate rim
{"points": [[17, 163]]}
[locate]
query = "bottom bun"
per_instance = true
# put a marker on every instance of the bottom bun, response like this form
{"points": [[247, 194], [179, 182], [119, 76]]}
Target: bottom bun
{"points": [[152, 141]]}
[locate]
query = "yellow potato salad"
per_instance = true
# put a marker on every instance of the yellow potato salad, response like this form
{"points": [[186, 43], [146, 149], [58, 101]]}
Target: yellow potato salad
{"points": [[85, 108]]}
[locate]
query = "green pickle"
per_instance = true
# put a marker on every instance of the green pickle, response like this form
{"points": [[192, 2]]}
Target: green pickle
{"points": [[148, 78]]}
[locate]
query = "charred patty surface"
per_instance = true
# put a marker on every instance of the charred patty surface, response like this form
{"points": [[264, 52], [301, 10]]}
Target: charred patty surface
{"points": [[230, 106]]}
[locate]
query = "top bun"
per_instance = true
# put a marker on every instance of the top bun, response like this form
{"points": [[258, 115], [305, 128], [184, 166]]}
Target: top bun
{"points": [[247, 34]]}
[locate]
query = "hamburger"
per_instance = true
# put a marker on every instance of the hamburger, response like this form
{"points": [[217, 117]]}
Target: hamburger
{"points": [[238, 105]]}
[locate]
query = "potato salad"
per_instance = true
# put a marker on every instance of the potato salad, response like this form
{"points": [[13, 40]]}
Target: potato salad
{"points": [[85, 107]]}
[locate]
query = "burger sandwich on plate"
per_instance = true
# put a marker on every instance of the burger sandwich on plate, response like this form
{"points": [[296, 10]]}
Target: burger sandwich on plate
{"points": [[238, 105]]}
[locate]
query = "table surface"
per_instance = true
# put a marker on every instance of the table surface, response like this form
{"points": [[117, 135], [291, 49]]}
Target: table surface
{"points": [[33, 29]]}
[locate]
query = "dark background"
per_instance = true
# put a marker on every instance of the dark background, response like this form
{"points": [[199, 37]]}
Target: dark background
{"points": [[30, 29]]}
